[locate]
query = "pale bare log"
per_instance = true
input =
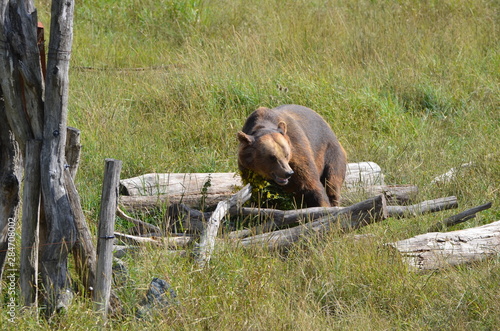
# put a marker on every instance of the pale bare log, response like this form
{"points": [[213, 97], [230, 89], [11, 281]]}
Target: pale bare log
{"points": [[180, 184], [395, 194], [109, 202], [436, 250], [152, 203], [451, 174], [170, 242], [205, 247], [175, 184], [346, 219], [363, 174]]}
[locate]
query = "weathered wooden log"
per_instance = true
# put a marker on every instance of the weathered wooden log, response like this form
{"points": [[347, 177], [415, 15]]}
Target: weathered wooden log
{"points": [[346, 219], [436, 250], [451, 174], [190, 219], [181, 184], [395, 194], [204, 249], [278, 218], [459, 218], [363, 174], [363, 179], [174, 184], [170, 242], [109, 202], [140, 227], [429, 206]]}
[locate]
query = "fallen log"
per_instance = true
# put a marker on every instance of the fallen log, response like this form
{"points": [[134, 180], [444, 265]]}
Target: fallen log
{"points": [[140, 227], [429, 206], [279, 218], [395, 194], [451, 174], [346, 219], [170, 242], [150, 191], [203, 250], [184, 184], [436, 250], [459, 218], [188, 218]]}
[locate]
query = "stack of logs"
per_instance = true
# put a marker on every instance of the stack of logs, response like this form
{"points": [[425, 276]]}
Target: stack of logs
{"points": [[183, 193]]}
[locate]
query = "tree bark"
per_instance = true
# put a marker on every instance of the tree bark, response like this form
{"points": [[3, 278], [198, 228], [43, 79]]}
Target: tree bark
{"points": [[9, 183], [72, 151], [23, 87]]}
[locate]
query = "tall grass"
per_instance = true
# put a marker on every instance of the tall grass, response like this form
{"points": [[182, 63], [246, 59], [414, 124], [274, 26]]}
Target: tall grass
{"points": [[412, 85]]}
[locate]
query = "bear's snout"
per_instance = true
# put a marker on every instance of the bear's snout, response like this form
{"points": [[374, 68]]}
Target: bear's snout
{"points": [[283, 180]]}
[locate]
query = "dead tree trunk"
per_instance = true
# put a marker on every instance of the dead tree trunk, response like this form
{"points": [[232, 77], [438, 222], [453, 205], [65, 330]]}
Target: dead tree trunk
{"points": [[61, 231]]}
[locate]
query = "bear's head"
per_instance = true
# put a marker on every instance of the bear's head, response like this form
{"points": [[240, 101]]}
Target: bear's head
{"points": [[267, 153]]}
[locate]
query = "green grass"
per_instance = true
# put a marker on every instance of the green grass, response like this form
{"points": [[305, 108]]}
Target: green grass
{"points": [[411, 85]]}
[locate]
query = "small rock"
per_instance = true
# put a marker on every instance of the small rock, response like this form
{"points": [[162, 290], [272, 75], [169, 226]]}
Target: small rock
{"points": [[159, 296]]}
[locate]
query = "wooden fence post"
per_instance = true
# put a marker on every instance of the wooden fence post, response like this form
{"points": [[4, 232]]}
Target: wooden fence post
{"points": [[109, 201]]}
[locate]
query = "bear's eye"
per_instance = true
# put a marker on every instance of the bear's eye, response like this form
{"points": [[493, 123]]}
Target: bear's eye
{"points": [[273, 158]]}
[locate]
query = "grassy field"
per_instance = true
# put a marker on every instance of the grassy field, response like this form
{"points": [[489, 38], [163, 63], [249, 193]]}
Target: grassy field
{"points": [[411, 85]]}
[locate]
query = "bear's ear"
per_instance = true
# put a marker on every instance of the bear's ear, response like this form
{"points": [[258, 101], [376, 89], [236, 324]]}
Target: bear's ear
{"points": [[282, 127], [245, 138]]}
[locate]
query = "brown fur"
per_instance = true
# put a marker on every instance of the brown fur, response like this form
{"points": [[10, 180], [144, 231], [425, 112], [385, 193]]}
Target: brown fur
{"points": [[296, 148]]}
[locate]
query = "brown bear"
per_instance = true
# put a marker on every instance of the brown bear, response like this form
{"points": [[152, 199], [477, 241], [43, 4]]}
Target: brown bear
{"points": [[294, 146]]}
